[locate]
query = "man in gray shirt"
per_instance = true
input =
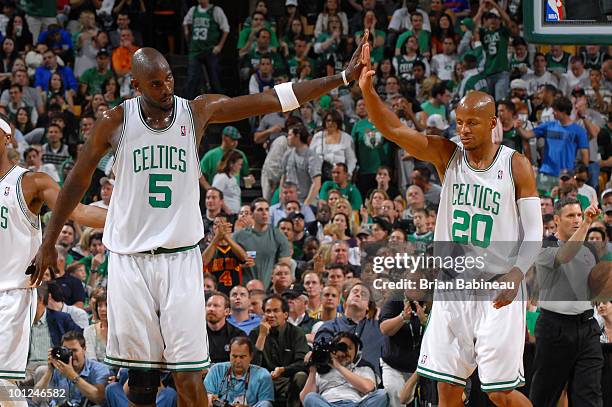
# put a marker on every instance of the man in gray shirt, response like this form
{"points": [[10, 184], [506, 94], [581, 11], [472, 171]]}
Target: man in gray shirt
{"points": [[302, 166], [566, 325], [265, 243]]}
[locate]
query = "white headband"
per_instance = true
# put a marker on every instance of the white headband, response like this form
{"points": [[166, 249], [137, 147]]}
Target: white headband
{"points": [[5, 126]]}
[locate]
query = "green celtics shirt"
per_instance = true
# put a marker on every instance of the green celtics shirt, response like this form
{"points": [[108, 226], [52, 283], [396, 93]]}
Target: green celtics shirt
{"points": [[495, 44], [513, 140], [205, 33], [421, 241], [372, 149], [557, 65]]}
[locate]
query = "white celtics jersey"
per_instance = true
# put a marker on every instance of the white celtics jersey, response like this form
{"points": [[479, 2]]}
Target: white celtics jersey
{"points": [[155, 201], [20, 234], [478, 207]]}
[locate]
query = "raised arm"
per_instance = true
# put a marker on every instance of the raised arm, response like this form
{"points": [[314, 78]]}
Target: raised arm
{"points": [[77, 183], [220, 109], [434, 149]]}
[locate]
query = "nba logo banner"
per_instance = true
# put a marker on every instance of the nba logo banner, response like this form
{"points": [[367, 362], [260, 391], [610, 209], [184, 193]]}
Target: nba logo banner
{"points": [[183, 131], [554, 10]]}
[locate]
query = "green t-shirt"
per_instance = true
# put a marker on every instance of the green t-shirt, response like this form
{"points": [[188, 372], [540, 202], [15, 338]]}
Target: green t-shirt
{"points": [[254, 56], [557, 66], [293, 64], [423, 39], [421, 241], [372, 149], [532, 317], [473, 82], [377, 53], [205, 31], [517, 64], [495, 44], [243, 38], [94, 80], [350, 192], [430, 109], [102, 269], [513, 140], [38, 8], [210, 162]]}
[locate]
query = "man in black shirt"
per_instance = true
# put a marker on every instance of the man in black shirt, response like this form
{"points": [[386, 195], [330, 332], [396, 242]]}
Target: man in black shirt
{"points": [[281, 347], [220, 333]]}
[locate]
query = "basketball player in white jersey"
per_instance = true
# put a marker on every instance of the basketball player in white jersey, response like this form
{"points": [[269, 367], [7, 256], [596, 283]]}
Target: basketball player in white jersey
{"points": [[22, 195], [155, 297], [462, 335]]}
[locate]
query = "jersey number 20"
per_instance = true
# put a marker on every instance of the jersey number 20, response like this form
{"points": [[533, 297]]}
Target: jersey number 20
{"points": [[160, 190], [466, 228]]}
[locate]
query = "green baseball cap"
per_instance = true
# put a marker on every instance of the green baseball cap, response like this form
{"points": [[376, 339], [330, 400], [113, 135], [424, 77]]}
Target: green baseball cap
{"points": [[232, 132]]}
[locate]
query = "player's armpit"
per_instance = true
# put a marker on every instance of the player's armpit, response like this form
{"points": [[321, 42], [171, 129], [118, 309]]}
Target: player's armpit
{"points": [[524, 178]]}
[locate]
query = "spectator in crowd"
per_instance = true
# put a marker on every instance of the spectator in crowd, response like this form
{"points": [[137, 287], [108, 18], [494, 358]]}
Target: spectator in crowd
{"points": [[422, 238], [95, 76], [280, 348], [223, 257], [288, 193], [220, 332], [269, 244], [17, 28], [51, 66], [350, 380], [30, 96], [301, 165], [239, 306], [547, 204], [96, 333], [334, 145], [557, 60], [340, 182], [358, 318], [330, 302], [297, 298], [262, 79], [107, 186], [210, 162], [331, 8], [581, 177], [72, 288], [96, 262], [122, 55], [251, 54], [238, 381], [540, 76], [81, 379], [282, 279], [206, 28], [56, 303], [16, 102], [272, 170], [473, 79], [582, 362], [33, 161], [313, 285], [443, 64], [495, 38], [257, 298], [214, 204], [562, 140], [123, 23], [421, 177], [577, 76], [604, 310], [59, 41], [54, 151], [227, 180]]}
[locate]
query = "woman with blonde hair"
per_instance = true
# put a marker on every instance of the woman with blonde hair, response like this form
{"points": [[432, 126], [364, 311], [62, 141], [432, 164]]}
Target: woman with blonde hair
{"points": [[374, 202]]}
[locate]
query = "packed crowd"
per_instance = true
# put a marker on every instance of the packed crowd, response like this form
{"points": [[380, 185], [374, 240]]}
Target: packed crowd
{"points": [[283, 272]]}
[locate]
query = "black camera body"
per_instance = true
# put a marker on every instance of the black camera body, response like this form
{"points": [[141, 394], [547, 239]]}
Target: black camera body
{"points": [[61, 353], [321, 354]]}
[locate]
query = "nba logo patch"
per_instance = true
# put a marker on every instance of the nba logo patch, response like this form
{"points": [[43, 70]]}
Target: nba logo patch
{"points": [[183, 131], [7, 190], [500, 174], [424, 359]]}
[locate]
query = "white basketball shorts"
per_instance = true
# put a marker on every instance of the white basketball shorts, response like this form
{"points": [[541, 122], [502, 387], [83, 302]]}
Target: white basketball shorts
{"points": [[17, 310], [156, 311]]}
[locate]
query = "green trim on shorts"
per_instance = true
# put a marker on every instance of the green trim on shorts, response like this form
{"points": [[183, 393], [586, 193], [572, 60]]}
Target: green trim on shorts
{"points": [[162, 250], [448, 378], [499, 386], [12, 374], [149, 364]]}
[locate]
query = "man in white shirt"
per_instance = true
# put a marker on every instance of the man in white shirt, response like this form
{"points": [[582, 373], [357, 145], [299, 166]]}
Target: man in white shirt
{"points": [[443, 64], [540, 75], [106, 191], [576, 77]]}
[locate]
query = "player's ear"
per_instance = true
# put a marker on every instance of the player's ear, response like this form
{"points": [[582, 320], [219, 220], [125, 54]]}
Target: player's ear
{"points": [[494, 120]]}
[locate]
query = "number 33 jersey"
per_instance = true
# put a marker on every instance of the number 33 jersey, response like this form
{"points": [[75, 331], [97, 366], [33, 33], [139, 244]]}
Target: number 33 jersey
{"points": [[478, 206], [155, 200]]}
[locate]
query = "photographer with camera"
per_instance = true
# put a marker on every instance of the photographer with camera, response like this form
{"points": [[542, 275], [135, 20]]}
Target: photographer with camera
{"points": [[237, 382], [280, 348], [77, 378], [338, 375]]}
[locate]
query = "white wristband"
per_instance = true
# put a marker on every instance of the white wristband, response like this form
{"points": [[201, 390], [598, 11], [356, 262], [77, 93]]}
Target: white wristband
{"points": [[286, 97], [344, 78], [5, 126]]}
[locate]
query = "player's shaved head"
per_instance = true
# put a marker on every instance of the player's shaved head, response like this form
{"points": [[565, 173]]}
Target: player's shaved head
{"points": [[478, 101], [147, 60], [476, 119]]}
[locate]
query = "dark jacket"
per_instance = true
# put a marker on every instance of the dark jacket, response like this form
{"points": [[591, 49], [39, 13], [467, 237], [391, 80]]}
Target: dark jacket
{"points": [[60, 323], [283, 348]]}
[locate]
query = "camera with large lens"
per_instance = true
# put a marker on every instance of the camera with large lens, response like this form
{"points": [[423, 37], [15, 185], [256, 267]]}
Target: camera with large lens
{"points": [[61, 353], [321, 354], [221, 403]]}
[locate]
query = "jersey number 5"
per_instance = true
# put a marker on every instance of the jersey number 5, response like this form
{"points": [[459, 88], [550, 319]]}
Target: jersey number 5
{"points": [[156, 189], [466, 228]]}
